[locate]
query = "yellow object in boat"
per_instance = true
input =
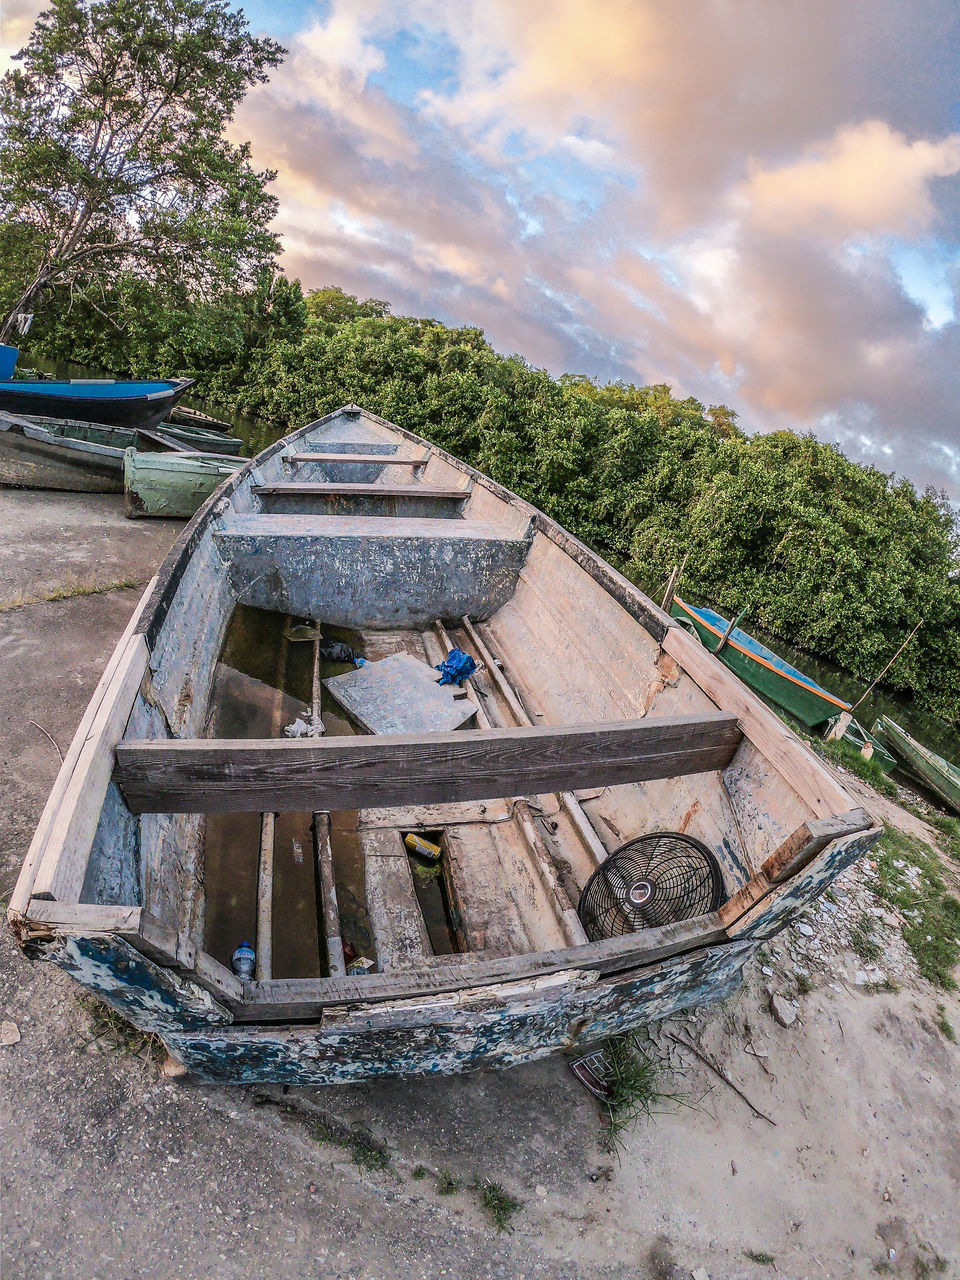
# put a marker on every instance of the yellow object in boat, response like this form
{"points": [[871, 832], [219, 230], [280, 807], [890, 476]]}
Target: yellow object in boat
{"points": [[423, 848]]}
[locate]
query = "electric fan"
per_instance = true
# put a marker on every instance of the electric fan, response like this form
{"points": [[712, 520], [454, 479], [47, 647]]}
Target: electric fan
{"points": [[654, 880]]}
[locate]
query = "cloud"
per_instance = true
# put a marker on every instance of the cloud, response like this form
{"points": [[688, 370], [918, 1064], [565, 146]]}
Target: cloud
{"points": [[757, 204], [866, 179], [16, 22]]}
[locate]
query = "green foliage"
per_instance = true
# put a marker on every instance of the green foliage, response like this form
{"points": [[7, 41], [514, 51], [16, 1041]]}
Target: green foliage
{"points": [[834, 557], [911, 878], [498, 1202], [760, 1256], [944, 1025], [862, 939], [844, 753], [113, 154], [330, 307], [633, 1080]]}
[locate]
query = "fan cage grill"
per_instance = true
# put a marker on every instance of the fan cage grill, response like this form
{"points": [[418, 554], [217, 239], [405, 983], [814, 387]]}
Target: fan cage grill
{"points": [[657, 879]]}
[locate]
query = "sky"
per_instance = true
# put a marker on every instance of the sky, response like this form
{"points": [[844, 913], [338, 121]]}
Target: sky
{"points": [[757, 203]]}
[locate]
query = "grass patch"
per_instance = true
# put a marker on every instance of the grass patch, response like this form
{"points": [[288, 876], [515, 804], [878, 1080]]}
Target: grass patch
{"points": [[804, 984], [446, 1183], [949, 829], [115, 1032], [862, 940], [634, 1088], [886, 987], [365, 1151], [910, 878], [944, 1025], [922, 1268], [498, 1202], [843, 753], [68, 590], [758, 1255]]}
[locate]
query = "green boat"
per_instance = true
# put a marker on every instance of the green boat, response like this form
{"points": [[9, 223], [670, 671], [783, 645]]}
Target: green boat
{"points": [[934, 772], [173, 485], [201, 439], [858, 737], [167, 435], [759, 667]]}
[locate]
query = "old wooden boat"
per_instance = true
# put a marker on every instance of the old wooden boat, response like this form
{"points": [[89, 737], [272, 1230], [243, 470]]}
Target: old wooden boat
{"points": [[595, 835], [78, 457], [173, 485], [106, 401], [50, 454], [935, 772], [201, 439], [167, 436], [759, 666], [184, 415], [84, 457]]}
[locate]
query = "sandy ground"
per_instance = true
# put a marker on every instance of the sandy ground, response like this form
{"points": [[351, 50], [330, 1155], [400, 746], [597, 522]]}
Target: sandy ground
{"points": [[111, 1171]]}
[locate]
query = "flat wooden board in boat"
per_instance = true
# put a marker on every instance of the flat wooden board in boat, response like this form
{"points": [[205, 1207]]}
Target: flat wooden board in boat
{"points": [[400, 695]]}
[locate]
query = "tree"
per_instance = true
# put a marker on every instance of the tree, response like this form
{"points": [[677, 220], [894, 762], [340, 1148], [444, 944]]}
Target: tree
{"points": [[113, 157], [330, 306]]}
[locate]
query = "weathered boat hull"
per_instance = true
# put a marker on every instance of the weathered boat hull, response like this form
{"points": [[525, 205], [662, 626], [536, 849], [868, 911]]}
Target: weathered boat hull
{"points": [[43, 461], [933, 771], [761, 669], [183, 415], [114, 404], [206, 441], [166, 437], [120, 884], [171, 485]]}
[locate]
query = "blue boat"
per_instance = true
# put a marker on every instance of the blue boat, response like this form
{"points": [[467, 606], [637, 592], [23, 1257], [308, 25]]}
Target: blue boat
{"points": [[105, 401]]}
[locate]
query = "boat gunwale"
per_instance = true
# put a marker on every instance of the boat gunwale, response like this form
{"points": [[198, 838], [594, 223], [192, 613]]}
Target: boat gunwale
{"points": [[809, 686], [165, 387]]}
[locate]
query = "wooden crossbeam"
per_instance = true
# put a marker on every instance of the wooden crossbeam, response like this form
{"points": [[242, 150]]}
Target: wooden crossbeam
{"points": [[210, 775], [362, 490], [363, 459]]}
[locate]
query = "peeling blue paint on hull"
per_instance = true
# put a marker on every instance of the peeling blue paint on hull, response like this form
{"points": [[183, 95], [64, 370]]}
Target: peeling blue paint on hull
{"points": [[447, 1040]]}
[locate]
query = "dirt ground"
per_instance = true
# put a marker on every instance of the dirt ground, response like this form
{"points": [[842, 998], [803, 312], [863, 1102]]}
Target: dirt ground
{"points": [[111, 1171]]}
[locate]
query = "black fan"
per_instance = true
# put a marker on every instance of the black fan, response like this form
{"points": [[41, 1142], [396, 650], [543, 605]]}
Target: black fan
{"points": [[656, 879]]}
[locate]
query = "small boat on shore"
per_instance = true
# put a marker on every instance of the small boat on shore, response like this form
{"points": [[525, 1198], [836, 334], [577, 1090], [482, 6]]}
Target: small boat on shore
{"points": [[759, 666], [110, 403], [857, 736], [183, 415], [167, 435], [284, 842], [201, 440], [934, 772], [172, 485], [49, 454], [159, 474]]}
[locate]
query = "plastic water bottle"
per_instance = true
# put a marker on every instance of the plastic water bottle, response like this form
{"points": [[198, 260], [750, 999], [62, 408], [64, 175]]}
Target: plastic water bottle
{"points": [[244, 959]]}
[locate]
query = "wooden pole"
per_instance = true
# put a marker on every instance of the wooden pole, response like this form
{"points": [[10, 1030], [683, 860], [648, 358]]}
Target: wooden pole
{"points": [[675, 577], [316, 690], [731, 627], [877, 680]]}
